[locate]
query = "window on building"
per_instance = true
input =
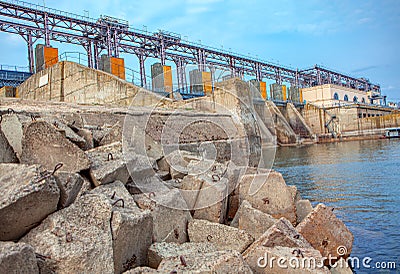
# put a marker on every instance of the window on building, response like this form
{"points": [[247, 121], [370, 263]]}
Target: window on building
{"points": [[363, 100], [364, 115], [336, 96], [346, 98], [355, 99]]}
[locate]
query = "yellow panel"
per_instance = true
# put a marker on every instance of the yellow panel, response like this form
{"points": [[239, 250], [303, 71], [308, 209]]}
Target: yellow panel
{"points": [[50, 56], [167, 78], [207, 82], [284, 92], [118, 67], [301, 95], [263, 89]]}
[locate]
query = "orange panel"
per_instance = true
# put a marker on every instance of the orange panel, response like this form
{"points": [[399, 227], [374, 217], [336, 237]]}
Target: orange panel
{"points": [[284, 92], [207, 82], [50, 56], [301, 95], [167, 78], [118, 67], [263, 89]]}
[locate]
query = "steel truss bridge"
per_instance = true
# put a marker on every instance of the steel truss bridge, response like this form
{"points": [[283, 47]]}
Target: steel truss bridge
{"points": [[114, 36]]}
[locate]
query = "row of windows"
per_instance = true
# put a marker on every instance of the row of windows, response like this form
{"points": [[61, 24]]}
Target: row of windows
{"points": [[365, 115], [346, 98]]}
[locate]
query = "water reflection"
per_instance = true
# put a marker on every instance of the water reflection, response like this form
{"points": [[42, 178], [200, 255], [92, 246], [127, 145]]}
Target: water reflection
{"points": [[361, 181]]}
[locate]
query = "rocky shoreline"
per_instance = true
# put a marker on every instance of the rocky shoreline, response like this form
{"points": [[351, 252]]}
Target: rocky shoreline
{"points": [[74, 199]]}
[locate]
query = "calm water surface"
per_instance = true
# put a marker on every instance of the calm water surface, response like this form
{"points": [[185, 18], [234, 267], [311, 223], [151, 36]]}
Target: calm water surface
{"points": [[361, 180]]}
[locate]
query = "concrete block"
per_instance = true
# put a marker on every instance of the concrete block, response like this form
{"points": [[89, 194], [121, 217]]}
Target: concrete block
{"points": [[303, 208], [215, 262], [286, 260], [132, 228], [44, 145], [87, 135], [295, 193], [76, 239], [27, 198], [114, 134], [66, 131], [268, 193], [207, 195], [170, 218], [12, 129], [7, 154], [253, 221], [70, 185], [159, 251], [107, 164], [326, 232], [224, 237], [282, 233], [17, 258]]}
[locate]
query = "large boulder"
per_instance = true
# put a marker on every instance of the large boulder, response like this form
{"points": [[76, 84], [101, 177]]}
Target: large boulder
{"points": [[169, 214], [326, 232], [28, 196], [253, 221], [215, 262], [268, 192], [44, 145], [160, 251], [224, 237], [17, 258], [132, 228], [77, 239]]}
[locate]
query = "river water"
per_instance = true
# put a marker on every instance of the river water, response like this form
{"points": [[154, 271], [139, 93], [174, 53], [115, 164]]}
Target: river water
{"points": [[361, 180]]}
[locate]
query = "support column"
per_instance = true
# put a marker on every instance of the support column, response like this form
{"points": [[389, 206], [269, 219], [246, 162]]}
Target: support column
{"points": [[31, 57], [46, 30], [116, 44], [89, 52], [162, 52], [142, 70], [96, 55], [109, 42]]}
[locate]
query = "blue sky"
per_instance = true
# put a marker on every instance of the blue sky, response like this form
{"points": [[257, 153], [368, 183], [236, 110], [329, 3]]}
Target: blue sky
{"points": [[359, 37]]}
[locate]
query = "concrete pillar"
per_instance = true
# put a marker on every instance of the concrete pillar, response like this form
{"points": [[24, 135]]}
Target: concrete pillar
{"points": [[200, 82], [261, 87], [45, 57], [161, 78], [113, 65]]}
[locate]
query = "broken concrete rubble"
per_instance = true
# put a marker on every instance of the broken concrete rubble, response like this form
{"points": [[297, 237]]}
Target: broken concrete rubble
{"points": [[17, 258], [28, 196], [7, 154], [326, 232], [224, 237], [44, 145], [11, 129]]}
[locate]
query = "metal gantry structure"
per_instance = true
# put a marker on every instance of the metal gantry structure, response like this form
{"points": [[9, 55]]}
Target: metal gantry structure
{"points": [[114, 36]]}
